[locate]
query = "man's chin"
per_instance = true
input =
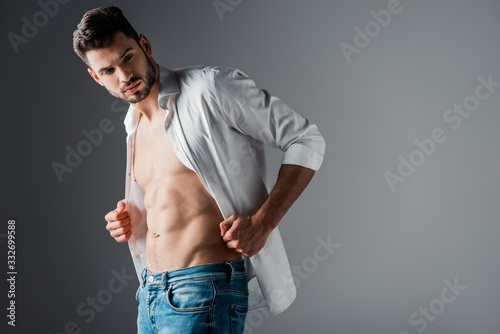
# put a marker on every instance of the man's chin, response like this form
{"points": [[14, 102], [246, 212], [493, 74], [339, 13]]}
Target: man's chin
{"points": [[137, 97], [132, 99]]}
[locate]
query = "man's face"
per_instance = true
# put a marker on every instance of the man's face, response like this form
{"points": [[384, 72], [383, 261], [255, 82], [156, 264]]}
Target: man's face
{"points": [[124, 68]]}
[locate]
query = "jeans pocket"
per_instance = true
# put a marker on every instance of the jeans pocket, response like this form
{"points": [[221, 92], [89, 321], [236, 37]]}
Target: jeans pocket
{"points": [[191, 296], [238, 315]]}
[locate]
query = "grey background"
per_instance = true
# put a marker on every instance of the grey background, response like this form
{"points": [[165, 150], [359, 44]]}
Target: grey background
{"points": [[396, 248]]}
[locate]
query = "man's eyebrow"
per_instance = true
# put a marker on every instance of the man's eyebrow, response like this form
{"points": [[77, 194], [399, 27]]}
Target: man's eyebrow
{"points": [[123, 55]]}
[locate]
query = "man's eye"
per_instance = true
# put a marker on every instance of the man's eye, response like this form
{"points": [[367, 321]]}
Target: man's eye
{"points": [[128, 57], [108, 71]]}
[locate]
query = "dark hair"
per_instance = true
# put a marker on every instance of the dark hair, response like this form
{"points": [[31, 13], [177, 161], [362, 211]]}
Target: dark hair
{"points": [[97, 29]]}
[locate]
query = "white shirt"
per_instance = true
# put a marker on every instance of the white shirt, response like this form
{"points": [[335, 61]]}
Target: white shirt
{"points": [[217, 122]]}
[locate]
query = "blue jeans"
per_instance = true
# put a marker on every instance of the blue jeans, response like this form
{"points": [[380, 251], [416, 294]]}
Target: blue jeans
{"points": [[209, 298]]}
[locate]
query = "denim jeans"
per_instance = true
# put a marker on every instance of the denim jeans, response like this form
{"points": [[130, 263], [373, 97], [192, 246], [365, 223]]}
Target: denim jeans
{"points": [[209, 298]]}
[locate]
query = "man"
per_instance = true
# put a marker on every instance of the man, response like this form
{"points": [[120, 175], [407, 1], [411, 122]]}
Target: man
{"points": [[197, 215]]}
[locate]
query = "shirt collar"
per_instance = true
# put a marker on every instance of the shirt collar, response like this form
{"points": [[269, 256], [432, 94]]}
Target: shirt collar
{"points": [[168, 86]]}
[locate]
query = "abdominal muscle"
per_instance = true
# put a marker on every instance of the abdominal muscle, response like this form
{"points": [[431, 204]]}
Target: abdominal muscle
{"points": [[183, 226], [182, 217]]}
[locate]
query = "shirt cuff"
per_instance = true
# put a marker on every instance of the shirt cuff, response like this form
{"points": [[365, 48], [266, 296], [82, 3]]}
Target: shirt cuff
{"points": [[302, 155]]}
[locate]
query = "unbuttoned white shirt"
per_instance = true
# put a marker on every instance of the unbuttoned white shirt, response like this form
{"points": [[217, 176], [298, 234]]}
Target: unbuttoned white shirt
{"points": [[217, 123]]}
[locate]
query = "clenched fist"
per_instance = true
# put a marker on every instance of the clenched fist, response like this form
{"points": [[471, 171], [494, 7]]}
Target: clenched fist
{"points": [[119, 223]]}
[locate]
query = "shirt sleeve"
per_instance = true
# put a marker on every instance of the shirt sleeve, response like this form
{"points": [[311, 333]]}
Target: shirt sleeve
{"points": [[254, 112]]}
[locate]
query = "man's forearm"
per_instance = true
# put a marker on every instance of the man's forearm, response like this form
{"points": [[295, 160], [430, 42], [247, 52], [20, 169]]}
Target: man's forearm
{"points": [[291, 182]]}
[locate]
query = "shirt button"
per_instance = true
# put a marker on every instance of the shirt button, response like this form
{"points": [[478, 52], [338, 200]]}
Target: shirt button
{"points": [[151, 279]]}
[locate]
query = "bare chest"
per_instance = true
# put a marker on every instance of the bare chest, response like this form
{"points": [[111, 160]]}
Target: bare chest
{"points": [[154, 157]]}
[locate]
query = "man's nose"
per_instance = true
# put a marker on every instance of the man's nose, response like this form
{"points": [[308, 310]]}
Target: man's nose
{"points": [[124, 74]]}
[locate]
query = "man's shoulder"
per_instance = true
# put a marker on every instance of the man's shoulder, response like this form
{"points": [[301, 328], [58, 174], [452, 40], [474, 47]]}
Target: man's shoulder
{"points": [[202, 69], [194, 78], [207, 73]]}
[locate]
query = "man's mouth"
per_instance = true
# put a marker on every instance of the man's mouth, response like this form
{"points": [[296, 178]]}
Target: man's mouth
{"points": [[132, 88]]}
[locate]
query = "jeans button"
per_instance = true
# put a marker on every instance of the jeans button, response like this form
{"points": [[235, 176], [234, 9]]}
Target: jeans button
{"points": [[151, 279]]}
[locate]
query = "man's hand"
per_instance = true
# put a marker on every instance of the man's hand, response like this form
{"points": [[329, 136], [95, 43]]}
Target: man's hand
{"points": [[248, 234], [245, 234], [119, 223]]}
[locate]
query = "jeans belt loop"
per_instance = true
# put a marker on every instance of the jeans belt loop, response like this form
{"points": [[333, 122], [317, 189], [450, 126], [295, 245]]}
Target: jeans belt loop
{"points": [[143, 276], [164, 280], [231, 276]]}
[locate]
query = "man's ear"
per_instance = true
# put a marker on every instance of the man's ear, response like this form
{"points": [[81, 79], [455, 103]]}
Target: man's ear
{"points": [[146, 46], [93, 75]]}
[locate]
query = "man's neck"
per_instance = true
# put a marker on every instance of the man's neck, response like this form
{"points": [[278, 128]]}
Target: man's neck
{"points": [[149, 106]]}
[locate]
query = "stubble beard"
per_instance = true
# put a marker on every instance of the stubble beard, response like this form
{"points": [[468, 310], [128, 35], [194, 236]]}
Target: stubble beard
{"points": [[139, 95]]}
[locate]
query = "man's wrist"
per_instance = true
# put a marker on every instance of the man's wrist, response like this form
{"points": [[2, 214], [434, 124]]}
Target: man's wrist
{"points": [[267, 218]]}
